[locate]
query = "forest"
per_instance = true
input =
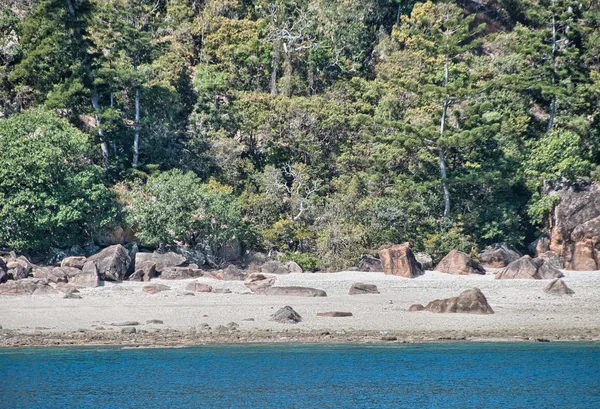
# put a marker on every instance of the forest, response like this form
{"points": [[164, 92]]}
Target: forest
{"points": [[316, 130]]}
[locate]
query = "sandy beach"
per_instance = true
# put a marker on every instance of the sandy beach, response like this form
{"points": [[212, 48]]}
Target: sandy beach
{"points": [[523, 311]]}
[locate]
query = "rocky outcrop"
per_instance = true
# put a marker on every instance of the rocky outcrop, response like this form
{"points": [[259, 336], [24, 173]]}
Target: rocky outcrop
{"points": [[528, 268], [295, 291], [26, 286], [457, 262], [498, 255], [112, 262], [88, 276], [286, 315], [469, 302], [370, 264], [424, 260], [399, 260], [360, 288], [575, 234], [181, 273], [74, 261], [196, 287], [551, 259], [18, 268], [259, 283], [53, 275], [162, 261], [558, 287], [146, 273]]}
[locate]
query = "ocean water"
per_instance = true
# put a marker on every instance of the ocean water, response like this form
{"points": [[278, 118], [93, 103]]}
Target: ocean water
{"points": [[446, 375]]}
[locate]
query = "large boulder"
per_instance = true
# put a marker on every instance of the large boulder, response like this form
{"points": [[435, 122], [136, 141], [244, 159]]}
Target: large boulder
{"points": [[163, 261], [457, 262], [360, 288], [18, 268], [274, 267], [181, 273], [370, 264], [558, 287], [528, 268], [295, 291], [470, 302], [75, 261], [399, 260], [88, 277], [286, 315], [575, 234], [499, 255], [112, 262], [259, 283], [552, 259]]}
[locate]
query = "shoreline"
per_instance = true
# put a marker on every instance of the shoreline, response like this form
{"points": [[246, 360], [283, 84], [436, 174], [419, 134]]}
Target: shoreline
{"points": [[122, 314]]}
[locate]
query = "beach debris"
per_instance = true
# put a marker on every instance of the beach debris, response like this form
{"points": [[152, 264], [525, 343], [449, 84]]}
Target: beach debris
{"points": [[112, 262], [197, 287], [457, 262], [498, 255], [334, 314], [558, 287], [399, 260], [295, 291], [259, 283], [469, 301], [361, 288], [528, 268], [286, 315]]}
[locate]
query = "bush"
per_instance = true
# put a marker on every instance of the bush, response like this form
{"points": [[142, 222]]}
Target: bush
{"points": [[50, 192], [176, 207], [308, 261]]}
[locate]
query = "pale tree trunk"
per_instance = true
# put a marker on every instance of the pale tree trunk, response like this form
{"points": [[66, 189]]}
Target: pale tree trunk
{"points": [[553, 103], [136, 138], [442, 159], [287, 79], [275, 66], [95, 99], [310, 75]]}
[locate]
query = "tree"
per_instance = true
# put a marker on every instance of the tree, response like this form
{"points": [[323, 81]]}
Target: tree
{"points": [[50, 193]]}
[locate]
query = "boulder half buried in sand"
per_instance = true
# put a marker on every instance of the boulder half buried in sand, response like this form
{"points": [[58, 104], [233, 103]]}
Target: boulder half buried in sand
{"points": [[286, 315], [361, 288], [469, 302], [558, 287], [528, 268], [296, 291]]}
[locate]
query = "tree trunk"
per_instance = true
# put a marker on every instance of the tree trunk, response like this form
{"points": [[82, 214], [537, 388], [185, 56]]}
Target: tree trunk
{"points": [[287, 80], [310, 75], [275, 66], [553, 103], [442, 159], [136, 137], [95, 99]]}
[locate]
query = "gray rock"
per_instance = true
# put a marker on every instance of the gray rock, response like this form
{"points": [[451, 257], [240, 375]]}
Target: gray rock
{"points": [[286, 315], [274, 267], [163, 260], [128, 330], [552, 259], [112, 262], [424, 260], [527, 268], [470, 302], [72, 296], [293, 267], [558, 287], [180, 273], [499, 255], [154, 322], [360, 288], [137, 275], [259, 283], [3, 276], [124, 323], [370, 264], [334, 314], [294, 291], [53, 275]]}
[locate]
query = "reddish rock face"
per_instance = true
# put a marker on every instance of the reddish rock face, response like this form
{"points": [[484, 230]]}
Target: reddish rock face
{"points": [[457, 262], [399, 260], [575, 232]]}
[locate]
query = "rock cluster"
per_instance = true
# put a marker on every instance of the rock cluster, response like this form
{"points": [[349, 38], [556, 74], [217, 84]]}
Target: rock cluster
{"points": [[528, 268]]}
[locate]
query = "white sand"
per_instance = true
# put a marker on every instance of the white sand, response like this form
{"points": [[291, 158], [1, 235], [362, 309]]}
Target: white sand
{"points": [[521, 307]]}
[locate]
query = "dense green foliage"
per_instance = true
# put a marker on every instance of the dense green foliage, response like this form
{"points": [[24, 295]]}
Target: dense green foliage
{"points": [[50, 193], [319, 129]]}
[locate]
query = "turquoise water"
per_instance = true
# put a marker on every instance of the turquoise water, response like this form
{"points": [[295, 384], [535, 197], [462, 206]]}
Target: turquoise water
{"points": [[465, 375]]}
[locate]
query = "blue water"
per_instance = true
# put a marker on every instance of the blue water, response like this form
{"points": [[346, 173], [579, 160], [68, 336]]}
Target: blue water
{"points": [[465, 375]]}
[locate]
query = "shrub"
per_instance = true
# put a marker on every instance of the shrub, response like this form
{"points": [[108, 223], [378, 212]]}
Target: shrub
{"points": [[50, 192]]}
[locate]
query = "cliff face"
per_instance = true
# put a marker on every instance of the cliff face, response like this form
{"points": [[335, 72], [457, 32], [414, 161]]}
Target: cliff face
{"points": [[575, 232]]}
